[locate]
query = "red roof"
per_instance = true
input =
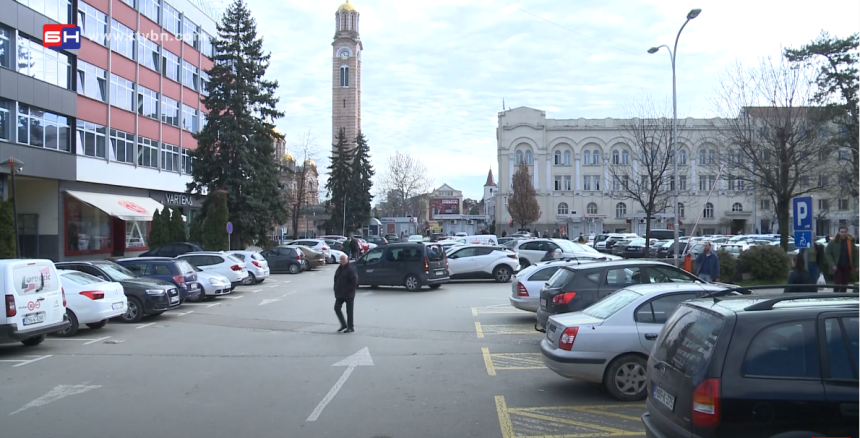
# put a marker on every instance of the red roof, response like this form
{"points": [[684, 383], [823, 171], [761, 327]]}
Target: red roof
{"points": [[490, 181]]}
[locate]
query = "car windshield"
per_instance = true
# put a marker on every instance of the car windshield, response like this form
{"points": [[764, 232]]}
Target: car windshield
{"points": [[568, 246], [612, 304], [81, 278], [732, 248], [637, 242], [116, 272]]}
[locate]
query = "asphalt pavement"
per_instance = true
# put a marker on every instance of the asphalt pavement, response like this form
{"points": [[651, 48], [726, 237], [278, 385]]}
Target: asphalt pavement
{"points": [[267, 361]]}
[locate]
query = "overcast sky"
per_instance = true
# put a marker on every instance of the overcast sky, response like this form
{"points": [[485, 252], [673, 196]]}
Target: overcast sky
{"points": [[434, 73]]}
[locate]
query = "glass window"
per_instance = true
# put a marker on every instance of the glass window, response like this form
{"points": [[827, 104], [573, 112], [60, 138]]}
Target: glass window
{"points": [[591, 208], [204, 79], [687, 340], [612, 304], [169, 157], [147, 102], [784, 350], [92, 81], [189, 32], [660, 274], [129, 2], [151, 9], [43, 129], [6, 110], [189, 118], [81, 278], [122, 39], [624, 277], [373, 256], [659, 310], [147, 152], [43, 63], [6, 50], [170, 64], [169, 111], [148, 52], [122, 146], [544, 274], [206, 47], [91, 139], [88, 228], [93, 23], [136, 233], [344, 76], [841, 364], [187, 161], [560, 278], [189, 75], [121, 92], [57, 10], [171, 19]]}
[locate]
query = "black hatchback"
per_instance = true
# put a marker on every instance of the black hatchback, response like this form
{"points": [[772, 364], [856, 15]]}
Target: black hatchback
{"points": [[411, 265], [745, 367], [576, 287]]}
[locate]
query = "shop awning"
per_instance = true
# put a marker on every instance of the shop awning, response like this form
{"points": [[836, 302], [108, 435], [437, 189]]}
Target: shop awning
{"points": [[127, 208]]}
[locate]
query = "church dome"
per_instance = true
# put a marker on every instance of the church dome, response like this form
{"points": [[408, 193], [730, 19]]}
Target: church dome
{"points": [[289, 157], [310, 163], [346, 7]]}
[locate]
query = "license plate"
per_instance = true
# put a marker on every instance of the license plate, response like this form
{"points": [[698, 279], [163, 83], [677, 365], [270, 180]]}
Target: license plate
{"points": [[664, 397], [543, 303], [440, 272], [192, 286], [117, 305], [174, 300], [34, 318]]}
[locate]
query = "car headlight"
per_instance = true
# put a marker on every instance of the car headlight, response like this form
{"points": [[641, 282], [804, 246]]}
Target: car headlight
{"points": [[215, 282], [156, 291]]}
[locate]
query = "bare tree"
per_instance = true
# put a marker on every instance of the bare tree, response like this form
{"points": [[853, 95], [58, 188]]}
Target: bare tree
{"points": [[405, 178], [523, 205], [774, 132], [301, 178], [643, 173]]}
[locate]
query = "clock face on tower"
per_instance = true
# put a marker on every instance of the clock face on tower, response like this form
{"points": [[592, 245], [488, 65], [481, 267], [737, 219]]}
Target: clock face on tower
{"points": [[344, 55]]}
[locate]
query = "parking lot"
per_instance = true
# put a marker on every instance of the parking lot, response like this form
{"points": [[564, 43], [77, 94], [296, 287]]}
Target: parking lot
{"points": [[267, 361]]}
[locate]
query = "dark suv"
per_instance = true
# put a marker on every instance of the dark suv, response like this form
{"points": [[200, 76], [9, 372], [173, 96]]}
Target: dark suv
{"points": [[576, 287], [404, 264], [178, 272], [782, 367]]}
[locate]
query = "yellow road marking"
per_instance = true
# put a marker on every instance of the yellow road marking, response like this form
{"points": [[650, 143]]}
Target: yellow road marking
{"points": [[610, 430], [608, 414], [474, 311], [507, 329], [504, 419], [497, 311], [622, 405], [479, 330], [521, 357], [488, 361]]}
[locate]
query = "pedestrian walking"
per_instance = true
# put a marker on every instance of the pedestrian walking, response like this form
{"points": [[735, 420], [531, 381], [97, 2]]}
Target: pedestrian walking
{"points": [[347, 246], [708, 265], [345, 284], [842, 256], [354, 248], [800, 276], [504, 233]]}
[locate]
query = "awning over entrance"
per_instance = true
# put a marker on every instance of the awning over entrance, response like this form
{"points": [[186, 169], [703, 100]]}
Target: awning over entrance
{"points": [[127, 208]]}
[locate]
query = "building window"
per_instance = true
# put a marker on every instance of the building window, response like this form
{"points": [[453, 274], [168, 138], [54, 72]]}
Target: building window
{"points": [[189, 31], [344, 76], [147, 102], [189, 118], [562, 208], [92, 81], [189, 75], [616, 157], [706, 182], [93, 23], [136, 233], [620, 210], [7, 107], [122, 146], [557, 183], [187, 162], [712, 157], [130, 3], [823, 204], [709, 210], [682, 156], [557, 157], [529, 158], [148, 53], [6, 47], [567, 158], [57, 10], [765, 204], [625, 158], [703, 157], [616, 184], [43, 63], [206, 47], [566, 185], [681, 210], [43, 129], [519, 157], [204, 80], [595, 158], [169, 157], [171, 19], [741, 185], [731, 180], [737, 206], [595, 182], [843, 204], [170, 64], [202, 120], [682, 182], [586, 183], [823, 180], [88, 228], [625, 182], [122, 39], [147, 152], [121, 92], [586, 158], [91, 140], [169, 111], [591, 208], [151, 9]]}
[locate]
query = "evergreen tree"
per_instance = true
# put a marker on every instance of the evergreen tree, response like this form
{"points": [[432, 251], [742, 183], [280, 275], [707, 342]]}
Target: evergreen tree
{"points": [[235, 148], [7, 230], [156, 231], [339, 182], [195, 234], [177, 227], [359, 198], [215, 225], [523, 205], [164, 222]]}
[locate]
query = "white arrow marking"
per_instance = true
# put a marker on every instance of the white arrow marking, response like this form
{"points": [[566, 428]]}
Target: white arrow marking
{"points": [[269, 301], [359, 359], [60, 392]]}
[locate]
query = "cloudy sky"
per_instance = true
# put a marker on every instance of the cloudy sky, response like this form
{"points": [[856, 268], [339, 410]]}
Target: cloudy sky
{"points": [[434, 73]]}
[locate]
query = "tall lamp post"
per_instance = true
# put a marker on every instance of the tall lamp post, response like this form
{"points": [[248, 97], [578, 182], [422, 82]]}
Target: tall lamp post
{"points": [[672, 56], [15, 165]]}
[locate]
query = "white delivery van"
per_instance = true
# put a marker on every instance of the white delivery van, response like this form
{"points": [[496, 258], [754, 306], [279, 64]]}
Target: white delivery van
{"points": [[33, 300], [481, 239]]}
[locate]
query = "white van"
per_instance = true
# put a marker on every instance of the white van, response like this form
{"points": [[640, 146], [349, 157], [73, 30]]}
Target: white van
{"points": [[481, 239], [33, 299]]}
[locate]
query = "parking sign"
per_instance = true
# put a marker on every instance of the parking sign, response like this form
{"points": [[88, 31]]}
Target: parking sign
{"points": [[802, 213]]}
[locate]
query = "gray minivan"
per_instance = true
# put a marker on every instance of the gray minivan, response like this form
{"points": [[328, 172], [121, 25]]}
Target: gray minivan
{"points": [[411, 265]]}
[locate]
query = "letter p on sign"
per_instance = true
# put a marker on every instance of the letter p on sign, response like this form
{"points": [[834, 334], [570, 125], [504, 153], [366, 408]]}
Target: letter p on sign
{"points": [[61, 36]]}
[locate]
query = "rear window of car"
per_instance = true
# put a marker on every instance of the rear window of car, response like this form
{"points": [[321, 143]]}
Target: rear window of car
{"points": [[784, 351], [81, 278], [612, 304], [687, 341], [233, 258], [544, 274], [257, 256], [435, 253], [185, 267], [561, 277]]}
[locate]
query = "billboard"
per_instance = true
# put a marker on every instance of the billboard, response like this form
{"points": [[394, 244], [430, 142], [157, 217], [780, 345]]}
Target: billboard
{"points": [[444, 206]]}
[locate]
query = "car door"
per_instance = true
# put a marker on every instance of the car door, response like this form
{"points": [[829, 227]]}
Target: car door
{"points": [[838, 338], [531, 251], [371, 269], [461, 262], [39, 301], [485, 259], [651, 315]]}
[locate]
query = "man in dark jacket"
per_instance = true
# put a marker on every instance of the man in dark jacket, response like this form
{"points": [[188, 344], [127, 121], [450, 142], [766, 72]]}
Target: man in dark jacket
{"points": [[354, 248], [345, 284], [708, 265], [842, 257]]}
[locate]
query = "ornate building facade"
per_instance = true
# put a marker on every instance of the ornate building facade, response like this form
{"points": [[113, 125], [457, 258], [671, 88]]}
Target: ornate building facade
{"points": [[346, 74]]}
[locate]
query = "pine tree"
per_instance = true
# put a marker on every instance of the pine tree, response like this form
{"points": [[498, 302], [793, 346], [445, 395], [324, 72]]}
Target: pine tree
{"points": [[164, 222], [523, 205], [338, 185], [156, 231], [195, 234], [359, 199], [215, 225], [177, 227], [7, 230], [235, 148]]}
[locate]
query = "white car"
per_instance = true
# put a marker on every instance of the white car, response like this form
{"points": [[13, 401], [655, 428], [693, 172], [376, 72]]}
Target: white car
{"points": [[530, 252], [482, 261], [34, 301], [90, 300], [527, 284], [318, 245], [415, 238], [218, 262], [258, 268], [335, 256], [213, 284]]}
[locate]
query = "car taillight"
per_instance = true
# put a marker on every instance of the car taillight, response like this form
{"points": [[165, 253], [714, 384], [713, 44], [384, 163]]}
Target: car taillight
{"points": [[93, 294], [298, 255], [179, 279], [10, 306], [256, 263], [512, 256], [426, 265], [521, 290], [236, 268], [706, 403], [63, 291], [565, 341], [563, 298], [325, 249]]}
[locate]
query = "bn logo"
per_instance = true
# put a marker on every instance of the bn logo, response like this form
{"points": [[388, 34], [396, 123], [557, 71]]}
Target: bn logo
{"points": [[61, 36]]}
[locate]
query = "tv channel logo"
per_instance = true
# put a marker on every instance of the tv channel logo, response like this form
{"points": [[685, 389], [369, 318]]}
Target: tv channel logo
{"points": [[61, 36]]}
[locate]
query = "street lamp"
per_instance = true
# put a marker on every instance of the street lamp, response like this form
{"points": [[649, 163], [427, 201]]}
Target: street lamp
{"points": [[672, 56], [15, 165]]}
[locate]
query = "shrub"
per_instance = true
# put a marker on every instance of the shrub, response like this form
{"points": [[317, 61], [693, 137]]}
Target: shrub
{"points": [[177, 227], [7, 230], [728, 266], [156, 231], [766, 263]]}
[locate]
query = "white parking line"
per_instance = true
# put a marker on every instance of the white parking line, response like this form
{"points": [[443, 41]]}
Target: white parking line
{"points": [[145, 325], [284, 295], [96, 340], [274, 286], [256, 290], [25, 362], [235, 298], [214, 304], [186, 313], [88, 340]]}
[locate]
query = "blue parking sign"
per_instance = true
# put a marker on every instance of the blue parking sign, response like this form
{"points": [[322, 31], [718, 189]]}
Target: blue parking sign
{"points": [[229, 227], [803, 239], [802, 213]]}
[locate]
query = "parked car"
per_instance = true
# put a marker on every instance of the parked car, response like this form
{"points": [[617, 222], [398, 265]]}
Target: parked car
{"points": [[34, 301], [654, 250], [363, 246], [90, 301], [335, 256], [634, 249], [614, 238], [619, 247], [310, 258], [258, 267], [527, 284], [212, 283], [609, 342], [782, 366], [334, 244], [668, 251], [284, 259], [318, 245], [145, 296], [480, 239], [172, 249], [482, 261], [574, 288], [411, 265], [178, 272], [415, 238], [220, 263], [532, 251], [392, 238], [377, 240]]}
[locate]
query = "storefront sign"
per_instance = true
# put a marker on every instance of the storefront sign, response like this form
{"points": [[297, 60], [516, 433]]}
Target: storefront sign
{"points": [[180, 199]]}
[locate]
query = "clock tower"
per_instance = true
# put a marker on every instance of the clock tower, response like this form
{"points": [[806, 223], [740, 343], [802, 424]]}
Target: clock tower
{"points": [[346, 74]]}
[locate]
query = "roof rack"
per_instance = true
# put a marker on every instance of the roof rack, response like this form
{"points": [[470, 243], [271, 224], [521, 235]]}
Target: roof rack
{"points": [[769, 303], [748, 290]]}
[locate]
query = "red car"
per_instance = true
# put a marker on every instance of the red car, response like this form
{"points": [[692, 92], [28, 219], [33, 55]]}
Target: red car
{"points": [[362, 245]]}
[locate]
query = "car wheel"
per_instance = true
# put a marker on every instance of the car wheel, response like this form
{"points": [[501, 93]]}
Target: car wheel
{"points": [[134, 311], [435, 286], [72, 329], [524, 263], [332, 260], [626, 377], [502, 273], [412, 283], [97, 325], [34, 341], [252, 279], [294, 269]]}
